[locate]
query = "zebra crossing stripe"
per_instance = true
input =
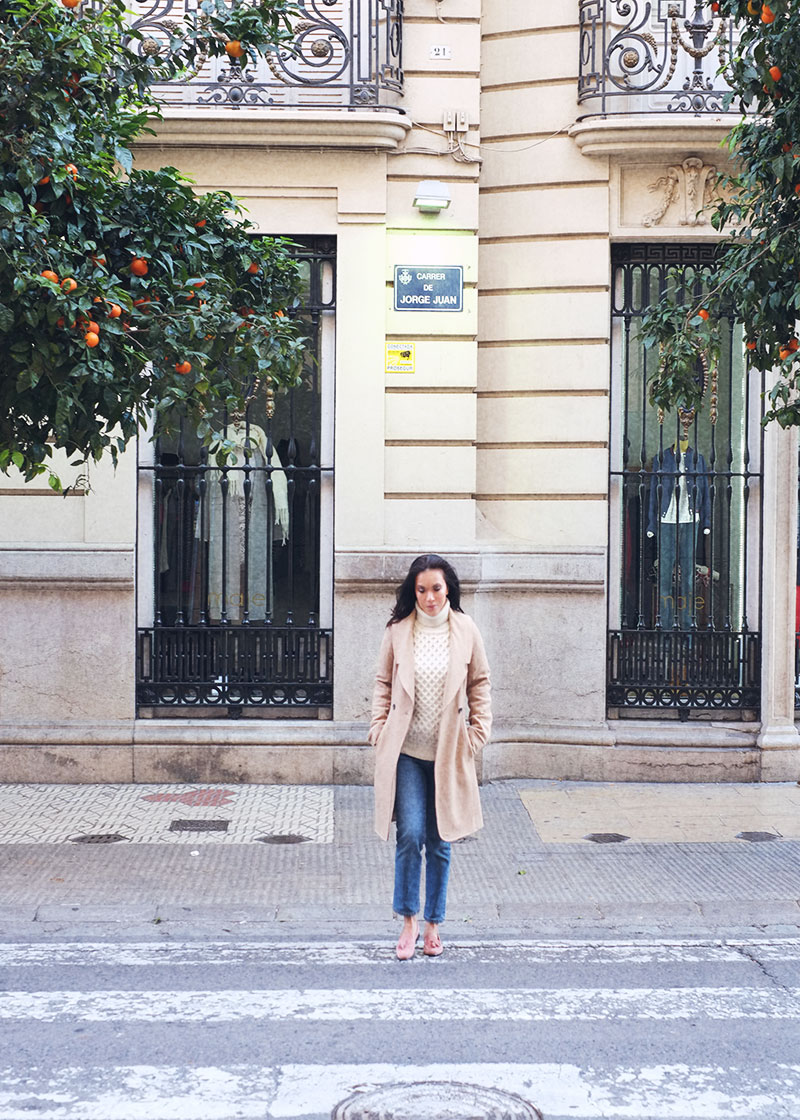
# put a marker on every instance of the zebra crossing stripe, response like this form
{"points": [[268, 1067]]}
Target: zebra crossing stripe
{"points": [[277, 953], [402, 1005], [250, 1092]]}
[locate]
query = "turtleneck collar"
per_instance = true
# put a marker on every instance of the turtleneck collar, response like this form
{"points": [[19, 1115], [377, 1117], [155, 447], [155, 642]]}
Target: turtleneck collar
{"points": [[433, 620]]}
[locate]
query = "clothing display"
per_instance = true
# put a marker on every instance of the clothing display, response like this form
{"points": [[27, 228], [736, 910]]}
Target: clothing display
{"points": [[248, 524], [675, 515]]}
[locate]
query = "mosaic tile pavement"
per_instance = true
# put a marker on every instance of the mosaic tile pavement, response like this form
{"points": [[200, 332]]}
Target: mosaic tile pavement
{"points": [[164, 814]]}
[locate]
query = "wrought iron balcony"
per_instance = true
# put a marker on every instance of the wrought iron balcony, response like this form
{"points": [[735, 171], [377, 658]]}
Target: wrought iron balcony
{"points": [[346, 54], [652, 56]]}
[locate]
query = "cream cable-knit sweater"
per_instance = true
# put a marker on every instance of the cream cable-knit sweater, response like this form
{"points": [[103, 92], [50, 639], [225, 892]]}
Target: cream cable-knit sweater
{"points": [[431, 661]]}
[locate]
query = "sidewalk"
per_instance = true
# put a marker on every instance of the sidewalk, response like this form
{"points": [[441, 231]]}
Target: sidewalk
{"points": [[703, 861]]}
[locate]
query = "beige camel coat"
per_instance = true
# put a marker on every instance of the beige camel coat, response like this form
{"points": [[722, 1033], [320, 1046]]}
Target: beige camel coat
{"points": [[466, 697]]}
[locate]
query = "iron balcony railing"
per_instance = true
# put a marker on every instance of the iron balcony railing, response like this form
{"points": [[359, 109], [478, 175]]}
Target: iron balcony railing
{"points": [[345, 54], [652, 56]]}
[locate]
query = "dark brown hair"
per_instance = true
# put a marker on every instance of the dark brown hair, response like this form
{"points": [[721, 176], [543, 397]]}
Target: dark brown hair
{"points": [[406, 592]]}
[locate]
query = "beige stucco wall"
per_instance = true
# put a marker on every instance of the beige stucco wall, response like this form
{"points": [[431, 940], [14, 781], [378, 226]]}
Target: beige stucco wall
{"points": [[494, 450]]}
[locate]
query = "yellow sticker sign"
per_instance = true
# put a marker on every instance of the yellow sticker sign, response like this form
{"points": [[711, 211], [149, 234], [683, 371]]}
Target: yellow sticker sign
{"points": [[399, 357]]}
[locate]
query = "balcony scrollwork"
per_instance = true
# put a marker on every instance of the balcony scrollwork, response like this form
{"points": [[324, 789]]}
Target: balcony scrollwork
{"points": [[343, 54], [664, 56]]}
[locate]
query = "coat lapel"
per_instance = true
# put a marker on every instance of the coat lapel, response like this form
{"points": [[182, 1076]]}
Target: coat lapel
{"points": [[459, 656], [404, 653]]}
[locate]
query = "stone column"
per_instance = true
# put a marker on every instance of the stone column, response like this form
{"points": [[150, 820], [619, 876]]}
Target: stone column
{"points": [[778, 740]]}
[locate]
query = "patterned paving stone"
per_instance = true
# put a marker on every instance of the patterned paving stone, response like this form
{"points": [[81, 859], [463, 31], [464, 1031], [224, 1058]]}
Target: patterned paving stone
{"points": [[37, 814]]}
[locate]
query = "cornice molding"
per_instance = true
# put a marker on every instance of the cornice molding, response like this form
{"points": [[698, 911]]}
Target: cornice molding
{"points": [[265, 129], [656, 134]]}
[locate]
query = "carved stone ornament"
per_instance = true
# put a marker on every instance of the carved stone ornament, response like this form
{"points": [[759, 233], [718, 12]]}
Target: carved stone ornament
{"points": [[691, 185]]}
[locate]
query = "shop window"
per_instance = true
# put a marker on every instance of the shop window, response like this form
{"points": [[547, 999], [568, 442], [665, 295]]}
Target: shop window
{"points": [[685, 509], [235, 558]]}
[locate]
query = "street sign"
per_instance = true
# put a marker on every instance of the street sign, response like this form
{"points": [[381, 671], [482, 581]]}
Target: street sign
{"points": [[428, 288]]}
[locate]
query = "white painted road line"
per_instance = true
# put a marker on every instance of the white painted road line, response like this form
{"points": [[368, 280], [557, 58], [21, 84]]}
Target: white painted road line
{"points": [[141, 1092], [391, 1005], [276, 953]]}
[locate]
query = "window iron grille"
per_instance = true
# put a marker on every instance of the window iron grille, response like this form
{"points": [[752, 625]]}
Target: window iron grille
{"points": [[685, 510], [235, 607], [343, 54], [639, 56]]}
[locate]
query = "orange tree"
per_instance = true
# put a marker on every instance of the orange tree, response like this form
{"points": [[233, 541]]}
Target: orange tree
{"points": [[757, 275], [123, 294]]}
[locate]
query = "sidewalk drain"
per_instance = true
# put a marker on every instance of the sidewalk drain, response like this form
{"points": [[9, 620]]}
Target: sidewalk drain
{"points": [[97, 838], [435, 1100], [283, 838], [758, 837], [199, 826], [606, 837]]}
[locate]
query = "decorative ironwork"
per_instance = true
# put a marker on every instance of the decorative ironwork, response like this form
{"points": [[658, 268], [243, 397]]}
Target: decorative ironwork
{"points": [[242, 591], [638, 56], [344, 53], [685, 500]]}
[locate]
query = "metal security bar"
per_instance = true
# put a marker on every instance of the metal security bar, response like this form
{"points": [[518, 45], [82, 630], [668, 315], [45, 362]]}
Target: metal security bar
{"points": [[236, 601], [685, 509], [664, 56], [344, 54]]}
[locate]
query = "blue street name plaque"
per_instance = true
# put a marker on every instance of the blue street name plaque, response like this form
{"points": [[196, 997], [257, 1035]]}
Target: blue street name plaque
{"points": [[428, 289]]}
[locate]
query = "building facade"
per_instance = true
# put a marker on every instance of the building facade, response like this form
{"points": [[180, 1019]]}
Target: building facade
{"points": [[485, 198]]}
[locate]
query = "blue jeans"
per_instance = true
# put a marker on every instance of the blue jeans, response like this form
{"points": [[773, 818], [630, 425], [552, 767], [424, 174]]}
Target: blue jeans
{"points": [[677, 547], [415, 810]]}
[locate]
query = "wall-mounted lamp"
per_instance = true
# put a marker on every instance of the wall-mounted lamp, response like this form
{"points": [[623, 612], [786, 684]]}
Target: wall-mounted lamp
{"points": [[431, 196]]}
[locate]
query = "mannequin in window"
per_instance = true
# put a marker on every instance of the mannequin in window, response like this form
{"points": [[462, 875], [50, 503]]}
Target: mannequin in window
{"points": [[680, 505], [251, 528]]}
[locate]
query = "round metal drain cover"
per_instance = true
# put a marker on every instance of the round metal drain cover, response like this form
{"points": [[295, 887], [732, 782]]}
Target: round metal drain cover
{"points": [[435, 1100], [606, 837], [284, 838], [98, 838], [757, 837]]}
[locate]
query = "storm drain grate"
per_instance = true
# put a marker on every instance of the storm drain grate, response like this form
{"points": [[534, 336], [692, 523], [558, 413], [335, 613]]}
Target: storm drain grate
{"points": [[199, 826], [98, 838], [437, 1100], [606, 837], [758, 837], [283, 838]]}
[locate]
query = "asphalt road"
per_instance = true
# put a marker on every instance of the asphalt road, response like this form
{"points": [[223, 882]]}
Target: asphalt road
{"points": [[191, 1029]]}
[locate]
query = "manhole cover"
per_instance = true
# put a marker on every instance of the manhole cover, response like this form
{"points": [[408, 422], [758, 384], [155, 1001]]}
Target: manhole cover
{"points": [[757, 837], [98, 838], [199, 826], [435, 1100], [606, 837], [283, 838]]}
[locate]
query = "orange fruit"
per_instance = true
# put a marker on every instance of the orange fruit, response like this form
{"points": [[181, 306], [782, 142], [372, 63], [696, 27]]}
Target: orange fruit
{"points": [[767, 14], [114, 311], [183, 367], [702, 313], [198, 283], [70, 168], [775, 73], [754, 7], [45, 179], [139, 266], [252, 268], [751, 345], [50, 275], [92, 327], [793, 344], [234, 48], [200, 224], [91, 338], [69, 284], [797, 188], [70, 3]]}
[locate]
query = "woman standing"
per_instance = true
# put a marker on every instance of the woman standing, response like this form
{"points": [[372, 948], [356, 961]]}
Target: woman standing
{"points": [[431, 714]]}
